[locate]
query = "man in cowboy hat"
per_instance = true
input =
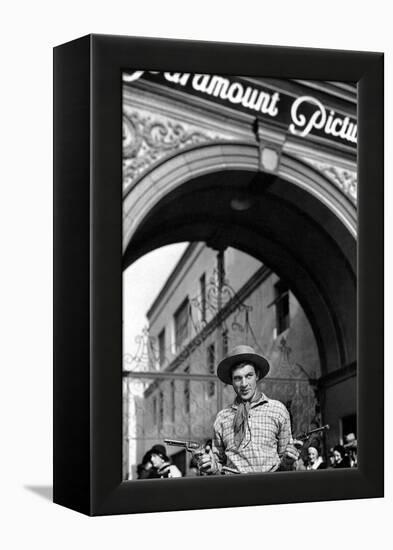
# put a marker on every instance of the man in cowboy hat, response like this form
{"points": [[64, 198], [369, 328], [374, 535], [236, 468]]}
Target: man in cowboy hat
{"points": [[254, 433]]}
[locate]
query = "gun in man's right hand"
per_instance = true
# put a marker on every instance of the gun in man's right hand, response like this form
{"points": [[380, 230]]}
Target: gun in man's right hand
{"points": [[205, 459], [201, 452]]}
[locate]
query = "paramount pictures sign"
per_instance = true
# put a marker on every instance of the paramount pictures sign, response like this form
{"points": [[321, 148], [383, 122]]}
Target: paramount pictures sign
{"points": [[304, 115]]}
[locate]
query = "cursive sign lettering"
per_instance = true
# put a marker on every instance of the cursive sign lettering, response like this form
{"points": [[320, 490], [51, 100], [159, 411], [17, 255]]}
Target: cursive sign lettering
{"points": [[222, 88], [331, 124], [305, 115]]}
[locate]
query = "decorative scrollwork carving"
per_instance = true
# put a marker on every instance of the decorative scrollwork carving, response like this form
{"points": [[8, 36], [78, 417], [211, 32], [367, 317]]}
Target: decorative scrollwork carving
{"points": [[132, 138], [344, 179], [148, 138]]}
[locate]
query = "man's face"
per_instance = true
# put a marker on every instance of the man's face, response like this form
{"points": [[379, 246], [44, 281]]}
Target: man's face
{"points": [[350, 438], [244, 381], [156, 460]]}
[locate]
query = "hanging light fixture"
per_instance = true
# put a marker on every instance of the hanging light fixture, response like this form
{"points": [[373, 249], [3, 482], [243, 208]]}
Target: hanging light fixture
{"points": [[241, 202]]}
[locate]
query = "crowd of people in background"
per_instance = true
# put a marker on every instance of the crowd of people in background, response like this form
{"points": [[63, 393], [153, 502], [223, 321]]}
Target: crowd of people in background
{"points": [[339, 456], [157, 465]]}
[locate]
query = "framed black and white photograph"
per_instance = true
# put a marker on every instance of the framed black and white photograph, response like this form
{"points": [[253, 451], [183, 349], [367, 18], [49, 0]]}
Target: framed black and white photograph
{"points": [[218, 325], [239, 229]]}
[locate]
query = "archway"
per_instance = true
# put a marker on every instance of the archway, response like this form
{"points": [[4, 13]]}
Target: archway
{"points": [[296, 221]]}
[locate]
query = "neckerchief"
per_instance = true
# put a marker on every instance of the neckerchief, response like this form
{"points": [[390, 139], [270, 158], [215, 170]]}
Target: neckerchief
{"points": [[240, 420]]}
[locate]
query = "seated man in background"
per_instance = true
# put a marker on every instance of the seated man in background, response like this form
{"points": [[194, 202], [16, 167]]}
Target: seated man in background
{"points": [[145, 469], [162, 464]]}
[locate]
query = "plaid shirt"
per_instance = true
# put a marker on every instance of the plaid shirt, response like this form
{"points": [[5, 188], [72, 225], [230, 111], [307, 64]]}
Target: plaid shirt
{"points": [[267, 434]]}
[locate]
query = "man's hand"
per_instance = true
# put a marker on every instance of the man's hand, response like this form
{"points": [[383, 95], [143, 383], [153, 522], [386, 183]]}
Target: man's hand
{"points": [[205, 460], [291, 454]]}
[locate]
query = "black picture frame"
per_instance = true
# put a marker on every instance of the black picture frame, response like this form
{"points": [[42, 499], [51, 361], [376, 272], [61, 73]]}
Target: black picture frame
{"points": [[88, 275]]}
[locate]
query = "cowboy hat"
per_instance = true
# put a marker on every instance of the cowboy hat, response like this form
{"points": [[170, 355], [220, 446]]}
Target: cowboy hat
{"points": [[159, 450], [241, 354]]}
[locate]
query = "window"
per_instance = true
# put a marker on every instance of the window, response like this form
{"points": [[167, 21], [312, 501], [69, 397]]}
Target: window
{"points": [[348, 426], [154, 409], [220, 269], [161, 348], [173, 401], [202, 288], [181, 324], [187, 392], [281, 302], [161, 415], [211, 361]]}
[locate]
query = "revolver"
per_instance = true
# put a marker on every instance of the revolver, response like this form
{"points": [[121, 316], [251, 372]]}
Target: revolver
{"points": [[190, 446], [305, 436], [197, 448]]}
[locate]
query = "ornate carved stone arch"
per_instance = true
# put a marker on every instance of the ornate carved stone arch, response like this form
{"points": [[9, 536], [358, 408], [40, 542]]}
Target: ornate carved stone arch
{"points": [[153, 185]]}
